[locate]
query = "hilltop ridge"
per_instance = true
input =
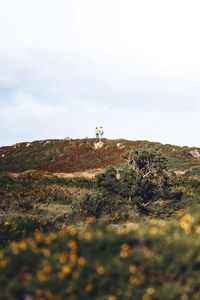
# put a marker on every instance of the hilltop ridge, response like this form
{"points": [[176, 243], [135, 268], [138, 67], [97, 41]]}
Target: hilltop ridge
{"points": [[75, 155]]}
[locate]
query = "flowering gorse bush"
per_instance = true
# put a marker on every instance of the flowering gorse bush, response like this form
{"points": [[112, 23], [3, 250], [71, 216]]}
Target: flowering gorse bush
{"points": [[154, 260]]}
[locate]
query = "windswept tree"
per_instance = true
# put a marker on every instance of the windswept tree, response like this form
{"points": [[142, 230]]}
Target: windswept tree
{"points": [[147, 173], [143, 178]]}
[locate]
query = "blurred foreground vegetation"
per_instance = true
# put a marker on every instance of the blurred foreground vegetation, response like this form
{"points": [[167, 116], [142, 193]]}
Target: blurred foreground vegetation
{"points": [[130, 233]]}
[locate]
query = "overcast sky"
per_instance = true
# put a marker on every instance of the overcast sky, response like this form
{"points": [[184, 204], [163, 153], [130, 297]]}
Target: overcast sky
{"points": [[131, 66]]}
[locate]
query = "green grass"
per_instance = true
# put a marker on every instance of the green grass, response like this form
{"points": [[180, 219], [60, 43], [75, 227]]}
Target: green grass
{"points": [[50, 249]]}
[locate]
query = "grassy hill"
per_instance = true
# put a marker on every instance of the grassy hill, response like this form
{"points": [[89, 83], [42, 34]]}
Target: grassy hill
{"points": [[84, 154], [70, 238]]}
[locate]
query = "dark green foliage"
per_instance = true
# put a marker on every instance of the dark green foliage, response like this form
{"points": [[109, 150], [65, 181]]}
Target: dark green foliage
{"points": [[144, 176], [127, 181], [108, 180], [148, 172], [79, 182], [94, 204], [16, 227]]}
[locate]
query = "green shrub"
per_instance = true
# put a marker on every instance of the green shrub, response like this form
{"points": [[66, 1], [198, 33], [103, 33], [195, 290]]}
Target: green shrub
{"points": [[155, 260], [6, 180], [94, 204], [32, 176], [79, 182], [108, 180], [144, 176], [15, 227]]}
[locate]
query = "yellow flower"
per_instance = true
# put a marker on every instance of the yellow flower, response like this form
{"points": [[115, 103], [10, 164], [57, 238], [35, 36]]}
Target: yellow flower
{"points": [[90, 220], [125, 247], [112, 297], [81, 261], [22, 245], [87, 235], [45, 252], [124, 250], [153, 230], [176, 236], [186, 222], [44, 294], [133, 268], [146, 297], [3, 263], [38, 236], [41, 276], [133, 280], [180, 213], [47, 268], [132, 226], [71, 230], [7, 223], [123, 254], [73, 258], [14, 248], [100, 270], [72, 245], [151, 291], [66, 269], [50, 238], [153, 221], [89, 288], [63, 257]]}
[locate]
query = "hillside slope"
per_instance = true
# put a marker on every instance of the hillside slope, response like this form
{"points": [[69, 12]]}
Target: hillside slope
{"points": [[86, 154]]}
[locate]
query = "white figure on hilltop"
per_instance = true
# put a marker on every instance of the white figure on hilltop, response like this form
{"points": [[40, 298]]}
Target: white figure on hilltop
{"points": [[101, 132]]}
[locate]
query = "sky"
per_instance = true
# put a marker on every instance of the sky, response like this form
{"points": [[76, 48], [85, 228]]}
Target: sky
{"points": [[67, 66]]}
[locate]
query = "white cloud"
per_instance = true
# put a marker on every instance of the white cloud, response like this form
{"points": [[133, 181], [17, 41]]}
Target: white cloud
{"points": [[131, 66], [36, 23], [27, 118]]}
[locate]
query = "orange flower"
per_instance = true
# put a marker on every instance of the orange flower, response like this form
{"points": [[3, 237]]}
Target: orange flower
{"points": [[133, 268], [66, 269], [72, 245], [81, 261], [133, 280], [89, 288], [63, 257]]}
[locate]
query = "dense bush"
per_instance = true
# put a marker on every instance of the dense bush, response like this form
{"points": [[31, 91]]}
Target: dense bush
{"points": [[108, 180], [16, 227], [149, 175], [94, 204], [156, 260], [142, 179]]}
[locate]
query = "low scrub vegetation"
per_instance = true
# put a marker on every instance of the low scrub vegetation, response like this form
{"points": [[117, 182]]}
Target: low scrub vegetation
{"points": [[154, 260], [132, 233]]}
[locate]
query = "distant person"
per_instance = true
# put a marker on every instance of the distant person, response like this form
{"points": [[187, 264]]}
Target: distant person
{"points": [[101, 132], [97, 131]]}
